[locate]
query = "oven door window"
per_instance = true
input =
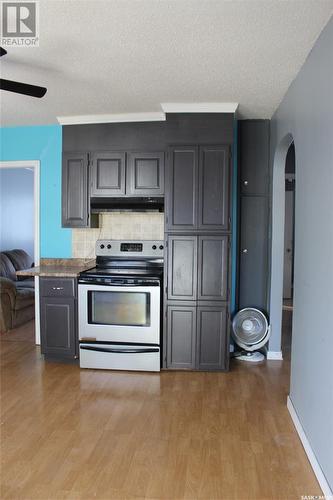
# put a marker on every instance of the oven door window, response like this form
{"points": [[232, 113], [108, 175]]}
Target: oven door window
{"points": [[119, 308]]}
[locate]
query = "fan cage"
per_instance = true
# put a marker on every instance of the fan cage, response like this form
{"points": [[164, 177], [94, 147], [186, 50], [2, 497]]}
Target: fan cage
{"points": [[251, 346]]}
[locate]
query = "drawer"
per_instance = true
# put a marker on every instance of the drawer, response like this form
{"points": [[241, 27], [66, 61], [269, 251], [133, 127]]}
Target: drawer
{"points": [[58, 287]]}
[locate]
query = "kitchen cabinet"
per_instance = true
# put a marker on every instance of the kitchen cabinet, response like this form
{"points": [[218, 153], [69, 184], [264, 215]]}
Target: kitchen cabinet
{"points": [[254, 214], [127, 174], [212, 338], [75, 192], [181, 337], [107, 173], [198, 267], [58, 318], [198, 187], [145, 174]]}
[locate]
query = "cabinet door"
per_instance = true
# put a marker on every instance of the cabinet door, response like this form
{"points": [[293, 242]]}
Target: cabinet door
{"points": [[182, 190], [58, 336], [145, 174], [182, 267], [213, 264], [253, 268], [108, 174], [75, 206], [181, 332], [214, 188], [212, 345], [254, 156]]}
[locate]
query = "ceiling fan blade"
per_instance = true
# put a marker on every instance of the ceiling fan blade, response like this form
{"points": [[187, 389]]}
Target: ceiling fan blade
{"points": [[3, 52], [22, 88]]}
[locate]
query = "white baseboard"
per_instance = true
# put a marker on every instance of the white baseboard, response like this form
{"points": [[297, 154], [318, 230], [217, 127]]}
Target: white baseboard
{"points": [[308, 450], [274, 355]]}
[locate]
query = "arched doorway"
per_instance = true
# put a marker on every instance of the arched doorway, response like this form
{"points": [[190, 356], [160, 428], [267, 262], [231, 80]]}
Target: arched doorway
{"points": [[278, 252]]}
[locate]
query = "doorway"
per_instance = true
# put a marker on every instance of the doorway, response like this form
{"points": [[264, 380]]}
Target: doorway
{"points": [[26, 198], [289, 238]]}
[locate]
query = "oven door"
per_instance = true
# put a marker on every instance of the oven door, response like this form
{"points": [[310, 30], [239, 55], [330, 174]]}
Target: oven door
{"points": [[119, 314]]}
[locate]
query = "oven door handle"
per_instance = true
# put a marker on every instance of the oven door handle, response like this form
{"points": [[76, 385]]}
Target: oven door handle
{"points": [[120, 351]]}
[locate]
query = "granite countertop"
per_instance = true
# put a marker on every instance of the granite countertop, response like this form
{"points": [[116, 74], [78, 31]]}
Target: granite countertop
{"points": [[66, 268]]}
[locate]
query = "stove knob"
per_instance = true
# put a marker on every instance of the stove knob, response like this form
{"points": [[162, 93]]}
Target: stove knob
{"points": [[102, 246], [161, 247], [154, 247], [109, 246]]}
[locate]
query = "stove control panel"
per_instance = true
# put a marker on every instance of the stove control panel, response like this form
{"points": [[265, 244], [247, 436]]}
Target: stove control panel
{"points": [[130, 248]]}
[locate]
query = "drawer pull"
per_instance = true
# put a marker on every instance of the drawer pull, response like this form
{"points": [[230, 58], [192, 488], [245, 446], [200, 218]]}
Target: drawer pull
{"points": [[57, 288]]}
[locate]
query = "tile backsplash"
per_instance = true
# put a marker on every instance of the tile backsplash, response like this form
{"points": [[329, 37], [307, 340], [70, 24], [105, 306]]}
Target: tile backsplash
{"points": [[118, 226]]}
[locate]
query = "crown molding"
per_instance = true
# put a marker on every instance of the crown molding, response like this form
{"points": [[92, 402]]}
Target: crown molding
{"points": [[112, 118], [199, 107]]}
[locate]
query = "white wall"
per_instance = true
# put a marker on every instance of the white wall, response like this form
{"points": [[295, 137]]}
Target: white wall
{"points": [[306, 113], [17, 209]]}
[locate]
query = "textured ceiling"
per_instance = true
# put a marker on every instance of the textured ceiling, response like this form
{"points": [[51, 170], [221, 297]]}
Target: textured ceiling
{"points": [[120, 56]]}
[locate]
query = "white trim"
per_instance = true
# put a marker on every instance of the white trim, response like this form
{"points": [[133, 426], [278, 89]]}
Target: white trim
{"points": [[199, 107], [309, 452], [35, 165], [274, 355], [112, 118]]}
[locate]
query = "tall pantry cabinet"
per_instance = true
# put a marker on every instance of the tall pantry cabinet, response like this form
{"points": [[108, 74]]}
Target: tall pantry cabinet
{"points": [[198, 231]]}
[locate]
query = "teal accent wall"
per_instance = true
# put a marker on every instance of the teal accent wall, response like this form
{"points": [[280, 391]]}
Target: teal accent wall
{"points": [[43, 143]]}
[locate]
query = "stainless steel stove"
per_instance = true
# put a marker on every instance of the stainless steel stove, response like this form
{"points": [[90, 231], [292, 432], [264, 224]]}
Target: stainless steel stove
{"points": [[119, 306]]}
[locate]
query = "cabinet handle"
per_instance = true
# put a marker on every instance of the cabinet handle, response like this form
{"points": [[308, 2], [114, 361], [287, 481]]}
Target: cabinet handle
{"points": [[57, 288], [246, 183], [244, 250]]}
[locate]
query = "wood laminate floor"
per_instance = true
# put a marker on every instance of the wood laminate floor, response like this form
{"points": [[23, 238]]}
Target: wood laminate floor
{"points": [[77, 434]]}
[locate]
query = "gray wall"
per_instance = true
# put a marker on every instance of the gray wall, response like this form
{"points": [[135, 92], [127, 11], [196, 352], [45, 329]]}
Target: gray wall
{"points": [[17, 209], [306, 112]]}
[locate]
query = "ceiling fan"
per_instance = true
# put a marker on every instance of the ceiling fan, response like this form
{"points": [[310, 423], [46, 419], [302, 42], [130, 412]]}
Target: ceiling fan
{"points": [[20, 87]]}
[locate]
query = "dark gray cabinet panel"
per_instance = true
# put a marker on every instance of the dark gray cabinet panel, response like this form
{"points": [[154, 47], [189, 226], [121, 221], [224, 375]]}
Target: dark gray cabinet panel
{"points": [[214, 188], [253, 252], [213, 265], [181, 333], [254, 156], [58, 327], [75, 206], [212, 349], [182, 267], [108, 174], [145, 174], [182, 188], [58, 320]]}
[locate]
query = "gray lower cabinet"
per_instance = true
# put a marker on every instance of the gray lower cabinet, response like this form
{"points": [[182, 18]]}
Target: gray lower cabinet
{"points": [[212, 346], [108, 174], [181, 334], [213, 265], [145, 174], [58, 321]]}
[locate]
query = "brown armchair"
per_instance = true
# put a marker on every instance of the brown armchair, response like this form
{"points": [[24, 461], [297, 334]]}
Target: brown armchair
{"points": [[17, 298]]}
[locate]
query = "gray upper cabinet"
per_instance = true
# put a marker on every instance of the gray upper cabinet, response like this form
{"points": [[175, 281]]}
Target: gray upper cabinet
{"points": [[181, 336], [182, 268], [198, 194], [75, 206], [254, 156], [214, 188], [145, 174], [108, 174], [212, 345], [182, 188], [213, 264]]}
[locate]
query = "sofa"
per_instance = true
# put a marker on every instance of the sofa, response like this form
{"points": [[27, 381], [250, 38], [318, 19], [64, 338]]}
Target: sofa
{"points": [[17, 295]]}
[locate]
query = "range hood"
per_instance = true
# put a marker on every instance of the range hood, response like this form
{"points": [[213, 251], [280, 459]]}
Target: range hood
{"points": [[127, 204]]}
